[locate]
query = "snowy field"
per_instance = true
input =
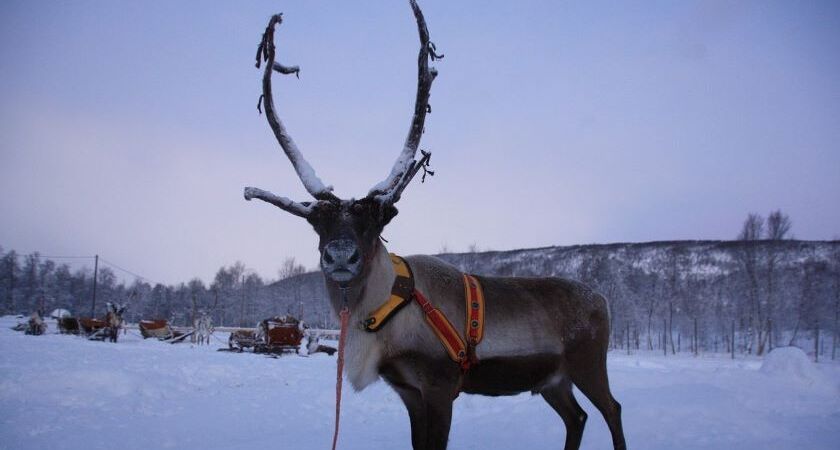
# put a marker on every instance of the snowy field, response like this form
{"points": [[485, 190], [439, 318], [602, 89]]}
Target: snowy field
{"points": [[61, 392]]}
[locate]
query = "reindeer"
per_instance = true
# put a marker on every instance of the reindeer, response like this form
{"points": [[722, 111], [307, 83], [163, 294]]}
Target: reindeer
{"points": [[113, 317], [203, 329], [36, 325], [542, 335], [313, 345]]}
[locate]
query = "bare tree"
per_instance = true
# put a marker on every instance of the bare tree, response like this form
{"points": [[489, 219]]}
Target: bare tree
{"points": [[289, 271], [225, 285], [753, 228], [197, 289], [290, 268], [674, 270], [650, 309], [751, 231], [807, 309], [10, 276], [778, 226], [836, 336]]}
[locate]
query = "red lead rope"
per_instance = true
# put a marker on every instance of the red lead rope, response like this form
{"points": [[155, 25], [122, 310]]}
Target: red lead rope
{"points": [[342, 339]]}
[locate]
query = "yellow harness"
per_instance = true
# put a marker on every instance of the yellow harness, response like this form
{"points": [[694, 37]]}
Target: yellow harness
{"points": [[403, 291]]}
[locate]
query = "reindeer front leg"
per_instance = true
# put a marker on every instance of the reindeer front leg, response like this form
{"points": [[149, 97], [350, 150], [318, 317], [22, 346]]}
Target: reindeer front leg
{"points": [[413, 401], [438, 403], [430, 416], [428, 388]]}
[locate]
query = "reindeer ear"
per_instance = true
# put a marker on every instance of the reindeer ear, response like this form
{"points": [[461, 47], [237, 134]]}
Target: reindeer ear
{"points": [[387, 213], [380, 213], [321, 213]]}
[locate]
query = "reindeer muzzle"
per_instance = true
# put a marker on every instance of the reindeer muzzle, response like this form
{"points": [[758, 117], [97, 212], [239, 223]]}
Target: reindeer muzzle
{"points": [[341, 261]]}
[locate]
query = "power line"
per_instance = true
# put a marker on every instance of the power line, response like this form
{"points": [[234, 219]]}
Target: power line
{"points": [[140, 277], [56, 257]]}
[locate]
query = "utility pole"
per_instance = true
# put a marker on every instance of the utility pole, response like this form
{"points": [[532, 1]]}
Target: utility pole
{"points": [[95, 272], [242, 305], [12, 263]]}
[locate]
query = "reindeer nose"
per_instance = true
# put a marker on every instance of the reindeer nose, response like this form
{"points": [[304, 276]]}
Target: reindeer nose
{"points": [[341, 260]]}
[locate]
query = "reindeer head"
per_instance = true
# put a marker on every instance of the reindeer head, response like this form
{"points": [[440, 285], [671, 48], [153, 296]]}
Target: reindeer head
{"points": [[348, 229], [114, 313]]}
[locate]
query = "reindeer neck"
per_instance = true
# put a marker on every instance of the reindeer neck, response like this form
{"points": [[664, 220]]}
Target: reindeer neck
{"points": [[370, 290]]}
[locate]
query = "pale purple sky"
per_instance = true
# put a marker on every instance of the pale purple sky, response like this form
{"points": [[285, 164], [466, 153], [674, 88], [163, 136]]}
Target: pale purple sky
{"points": [[129, 129]]}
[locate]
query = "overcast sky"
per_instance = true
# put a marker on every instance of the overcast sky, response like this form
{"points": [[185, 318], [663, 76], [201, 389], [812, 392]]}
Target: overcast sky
{"points": [[129, 128]]}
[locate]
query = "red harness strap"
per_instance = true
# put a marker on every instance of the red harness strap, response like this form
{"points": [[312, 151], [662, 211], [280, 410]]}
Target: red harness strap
{"points": [[460, 350], [444, 330], [475, 315]]}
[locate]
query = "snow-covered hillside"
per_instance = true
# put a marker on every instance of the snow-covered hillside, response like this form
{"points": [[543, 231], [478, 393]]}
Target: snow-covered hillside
{"points": [[64, 392], [773, 293]]}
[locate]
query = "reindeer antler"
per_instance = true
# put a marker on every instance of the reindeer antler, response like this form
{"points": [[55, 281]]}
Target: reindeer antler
{"points": [[298, 209], [388, 191], [405, 167], [313, 184]]}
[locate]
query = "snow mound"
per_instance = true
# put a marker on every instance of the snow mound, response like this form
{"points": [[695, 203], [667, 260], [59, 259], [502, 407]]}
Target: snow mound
{"points": [[792, 363]]}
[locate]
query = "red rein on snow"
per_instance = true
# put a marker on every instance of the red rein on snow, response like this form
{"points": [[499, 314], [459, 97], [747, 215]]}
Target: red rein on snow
{"points": [[342, 339]]}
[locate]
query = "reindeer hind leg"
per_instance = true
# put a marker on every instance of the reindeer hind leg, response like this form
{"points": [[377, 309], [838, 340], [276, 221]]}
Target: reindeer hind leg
{"points": [[589, 374], [560, 397]]}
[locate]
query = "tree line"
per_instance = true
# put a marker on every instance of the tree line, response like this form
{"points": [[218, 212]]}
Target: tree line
{"points": [[237, 296], [762, 290], [748, 295]]}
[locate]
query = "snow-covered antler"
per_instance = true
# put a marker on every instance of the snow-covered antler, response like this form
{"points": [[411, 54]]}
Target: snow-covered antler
{"points": [[313, 184], [405, 167], [298, 209]]}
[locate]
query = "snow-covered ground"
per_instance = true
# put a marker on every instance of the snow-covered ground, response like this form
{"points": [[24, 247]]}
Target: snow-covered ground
{"points": [[66, 392]]}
